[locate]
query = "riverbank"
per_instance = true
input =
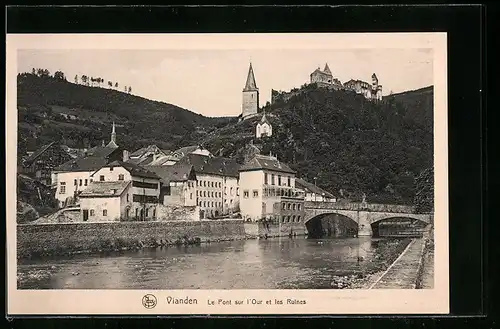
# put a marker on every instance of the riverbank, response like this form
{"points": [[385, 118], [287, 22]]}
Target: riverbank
{"points": [[46, 240]]}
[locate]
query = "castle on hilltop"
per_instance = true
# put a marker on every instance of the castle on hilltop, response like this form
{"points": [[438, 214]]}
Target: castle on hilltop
{"points": [[325, 79]]}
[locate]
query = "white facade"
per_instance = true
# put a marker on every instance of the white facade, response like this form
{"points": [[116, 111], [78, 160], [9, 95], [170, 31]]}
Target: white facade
{"points": [[70, 182], [263, 129], [216, 195], [262, 190], [181, 194], [143, 192], [106, 209], [311, 196]]}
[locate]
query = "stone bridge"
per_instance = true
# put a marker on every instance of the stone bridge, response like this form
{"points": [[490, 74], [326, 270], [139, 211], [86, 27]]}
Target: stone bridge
{"points": [[364, 214]]}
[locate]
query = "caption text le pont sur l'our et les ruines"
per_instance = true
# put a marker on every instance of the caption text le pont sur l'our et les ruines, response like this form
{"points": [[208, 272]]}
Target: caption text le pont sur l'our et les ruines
{"points": [[230, 302]]}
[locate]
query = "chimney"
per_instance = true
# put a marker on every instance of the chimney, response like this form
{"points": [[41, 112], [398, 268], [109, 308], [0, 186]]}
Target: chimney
{"points": [[125, 156]]}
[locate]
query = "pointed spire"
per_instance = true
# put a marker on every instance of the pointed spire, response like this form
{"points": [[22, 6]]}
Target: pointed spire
{"points": [[250, 84], [112, 143], [327, 69]]}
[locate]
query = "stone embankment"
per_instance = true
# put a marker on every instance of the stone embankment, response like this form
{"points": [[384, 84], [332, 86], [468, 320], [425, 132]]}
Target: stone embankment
{"points": [[73, 238], [407, 271]]}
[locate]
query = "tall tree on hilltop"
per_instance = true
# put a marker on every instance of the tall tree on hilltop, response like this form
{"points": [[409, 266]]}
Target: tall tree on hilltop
{"points": [[76, 79], [116, 85], [59, 75], [110, 84], [129, 89]]}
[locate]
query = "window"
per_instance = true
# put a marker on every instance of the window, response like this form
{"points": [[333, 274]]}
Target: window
{"points": [[289, 182], [92, 212], [205, 183], [105, 212], [76, 182], [110, 168], [63, 188], [289, 206], [147, 212], [298, 206], [265, 178], [196, 193], [204, 193], [199, 203], [225, 190], [127, 197], [255, 193], [283, 219], [211, 184], [284, 206], [293, 206], [293, 218], [288, 219], [204, 203], [86, 182], [245, 193], [279, 180], [121, 177], [154, 213], [298, 218], [220, 184], [237, 191], [101, 178], [272, 179], [191, 196], [212, 194]]}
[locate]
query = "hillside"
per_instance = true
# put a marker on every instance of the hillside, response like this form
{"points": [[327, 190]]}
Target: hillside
{"points": [[78, 115], [353, 146]]}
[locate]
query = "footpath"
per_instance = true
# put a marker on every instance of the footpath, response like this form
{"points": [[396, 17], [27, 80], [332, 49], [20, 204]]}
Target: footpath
{"points": [[403, 273]]}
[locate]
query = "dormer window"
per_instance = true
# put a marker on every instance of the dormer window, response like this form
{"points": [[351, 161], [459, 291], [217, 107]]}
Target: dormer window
{"points": [[121, 177]]}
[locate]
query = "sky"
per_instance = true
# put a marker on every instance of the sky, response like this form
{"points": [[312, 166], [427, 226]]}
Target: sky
{"points": [[210, 81]]}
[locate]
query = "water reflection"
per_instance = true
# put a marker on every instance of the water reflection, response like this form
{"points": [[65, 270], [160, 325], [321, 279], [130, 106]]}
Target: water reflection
{"points": [[251, 264]]}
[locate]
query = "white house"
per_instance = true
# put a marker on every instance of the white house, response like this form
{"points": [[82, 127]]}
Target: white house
{"points": [[268, 190], [264, 128], [106, 201], [143, 196]]}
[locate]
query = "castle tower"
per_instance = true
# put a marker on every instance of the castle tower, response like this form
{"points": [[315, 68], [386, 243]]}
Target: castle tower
{"points": [[112, 143], [327, 69], [250, 95], [374, 81]]}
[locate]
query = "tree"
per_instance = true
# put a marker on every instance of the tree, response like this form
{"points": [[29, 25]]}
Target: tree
{"points": [[125, 88], [110, 84], [76, 79], [59, 75], [85, 80], [129, 89], [424, 194], [33, 71], [116, 85]]}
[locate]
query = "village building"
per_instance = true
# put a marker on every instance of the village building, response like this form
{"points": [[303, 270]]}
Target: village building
{"points": [[313, 192], [133, 193], [40, 164], [268, 191], [216, 184], [250, 103], [73, 176], [263, 128], [178, 184], [171, 158]]}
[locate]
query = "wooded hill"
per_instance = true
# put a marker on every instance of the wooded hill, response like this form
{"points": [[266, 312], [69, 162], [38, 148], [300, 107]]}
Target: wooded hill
{"points": [[50, 108], [350, 144]]}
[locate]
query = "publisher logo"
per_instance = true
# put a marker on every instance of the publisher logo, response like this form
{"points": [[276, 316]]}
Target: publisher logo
{"points": [[149, 301]]}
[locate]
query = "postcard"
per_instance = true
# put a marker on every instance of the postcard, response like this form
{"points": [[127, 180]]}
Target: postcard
{"points": [[162, 174]]}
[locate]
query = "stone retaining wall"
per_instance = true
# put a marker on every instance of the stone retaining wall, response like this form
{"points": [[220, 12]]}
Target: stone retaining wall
{"points": [[65, 238]]}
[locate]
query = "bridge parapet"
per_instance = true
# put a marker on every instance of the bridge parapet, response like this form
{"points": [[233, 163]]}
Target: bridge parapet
{"points": [[358, 206]]}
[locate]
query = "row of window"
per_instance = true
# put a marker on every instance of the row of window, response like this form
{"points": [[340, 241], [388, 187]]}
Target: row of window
{"points": [[291, 206], [274, 192], [288, 219], [211, 204], [246, 194], [209, 194], [137, 213], [205, 183], [266, 180]]}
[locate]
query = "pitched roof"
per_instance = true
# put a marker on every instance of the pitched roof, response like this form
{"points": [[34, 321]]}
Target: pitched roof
{"points": [[211, 165], [100, 189], [133, 169], [112, 144], [90, 163], [38, 152], [264, 119], [260, 162], [139, 152], [175, 173], [142, 151], [327, 69], [101, 151], [186, 150], [250, 85], [164, 158], [311, 187]]}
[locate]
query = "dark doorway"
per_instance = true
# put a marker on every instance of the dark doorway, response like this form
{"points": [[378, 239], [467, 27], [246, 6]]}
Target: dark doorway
{"points": [[85, 215]]}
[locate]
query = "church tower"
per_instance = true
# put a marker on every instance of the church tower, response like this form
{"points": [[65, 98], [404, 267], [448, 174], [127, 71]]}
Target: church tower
{"points": [[250, 95], [112, 143]]}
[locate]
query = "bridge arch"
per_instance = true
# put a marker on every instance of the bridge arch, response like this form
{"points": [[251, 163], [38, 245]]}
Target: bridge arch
{"points": [[331, 224], [395, 225]]}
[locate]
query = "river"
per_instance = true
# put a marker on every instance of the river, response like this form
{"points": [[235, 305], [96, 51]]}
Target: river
{"points": [[279, 263]]}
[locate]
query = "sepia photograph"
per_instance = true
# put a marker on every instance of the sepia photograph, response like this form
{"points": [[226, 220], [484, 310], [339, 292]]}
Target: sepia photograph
{"points": [[233, 168]]}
